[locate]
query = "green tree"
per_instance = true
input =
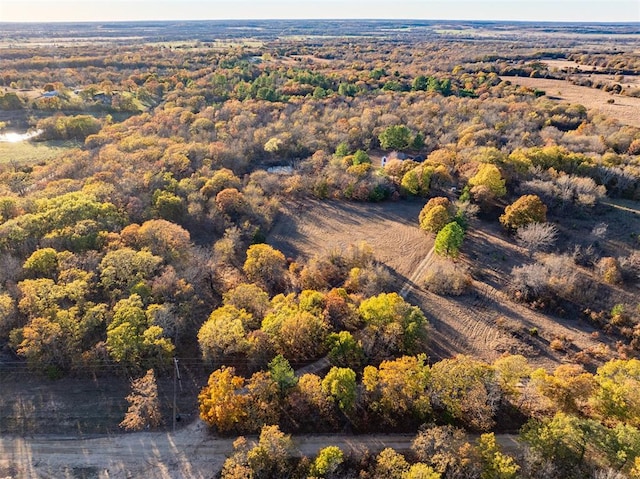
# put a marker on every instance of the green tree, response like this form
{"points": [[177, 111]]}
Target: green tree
{"points": [[562, 439], [360, 157], [345, 350], [418, 141], [449, 240], [340, 384], [327, 461], [168, 205], [495, 464], [282, 373], [130, 338], [395, 137], [419, 83], [395, 325], [342, 150]]}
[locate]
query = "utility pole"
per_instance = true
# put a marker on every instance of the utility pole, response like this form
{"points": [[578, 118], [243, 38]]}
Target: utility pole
{"points": [[176, 377]]}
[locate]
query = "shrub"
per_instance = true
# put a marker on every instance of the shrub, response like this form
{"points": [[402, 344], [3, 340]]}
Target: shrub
{"points": [[448, 279], [609, 270]]}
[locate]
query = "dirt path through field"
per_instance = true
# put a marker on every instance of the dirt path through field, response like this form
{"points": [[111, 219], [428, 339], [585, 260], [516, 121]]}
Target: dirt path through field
{"points": [[417, 275]]}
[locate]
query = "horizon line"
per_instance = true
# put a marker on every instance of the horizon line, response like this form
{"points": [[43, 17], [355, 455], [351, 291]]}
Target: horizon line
{"points": [[333, 19]]}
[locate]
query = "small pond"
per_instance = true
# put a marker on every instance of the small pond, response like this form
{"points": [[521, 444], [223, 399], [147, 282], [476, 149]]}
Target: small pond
{"points": [[13, 137]]}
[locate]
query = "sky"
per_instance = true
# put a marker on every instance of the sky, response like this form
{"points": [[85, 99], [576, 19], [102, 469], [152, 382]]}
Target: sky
{"points": [[113, 10]]}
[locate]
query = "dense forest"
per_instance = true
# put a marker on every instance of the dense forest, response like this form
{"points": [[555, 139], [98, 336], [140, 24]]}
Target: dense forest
{"points": [[147, 239]]}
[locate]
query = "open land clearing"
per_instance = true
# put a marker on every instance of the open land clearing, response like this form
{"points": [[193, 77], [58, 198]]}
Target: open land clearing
{"points": [[484, 323], [625, 109]]}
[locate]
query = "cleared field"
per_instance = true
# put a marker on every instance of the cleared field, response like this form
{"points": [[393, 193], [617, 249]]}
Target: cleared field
{"points": [[484, 323], [625, 109], [314, 227], [32, 152], [560, 64]]}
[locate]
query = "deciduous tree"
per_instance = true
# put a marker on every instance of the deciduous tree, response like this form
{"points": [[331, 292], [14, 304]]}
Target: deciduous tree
{"points": [[222, 402], [266, 265], [489, 176], [525, 210], [393, 324], [340, 384], [466, 389], [144, 405]]}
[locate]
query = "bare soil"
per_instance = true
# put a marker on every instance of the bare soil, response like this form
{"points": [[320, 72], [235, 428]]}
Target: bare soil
{"points": [[625, 109]]}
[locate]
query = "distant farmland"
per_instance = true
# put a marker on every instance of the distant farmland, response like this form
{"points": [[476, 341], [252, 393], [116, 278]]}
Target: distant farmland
{"points": [[625, 109]]}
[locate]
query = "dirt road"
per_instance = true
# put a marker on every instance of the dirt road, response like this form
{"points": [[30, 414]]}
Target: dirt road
{"points": [[189, 453]]}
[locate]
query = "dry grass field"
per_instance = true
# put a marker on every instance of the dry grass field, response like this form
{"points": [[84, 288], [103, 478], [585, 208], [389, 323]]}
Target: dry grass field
{"points": [[624, 109]]}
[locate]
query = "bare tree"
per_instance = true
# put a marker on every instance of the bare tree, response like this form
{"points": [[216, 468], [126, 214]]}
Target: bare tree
{"points": [[537, 236]]}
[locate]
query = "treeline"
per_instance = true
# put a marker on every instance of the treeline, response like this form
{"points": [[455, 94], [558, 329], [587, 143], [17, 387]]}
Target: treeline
{"points": [[579, 424]]}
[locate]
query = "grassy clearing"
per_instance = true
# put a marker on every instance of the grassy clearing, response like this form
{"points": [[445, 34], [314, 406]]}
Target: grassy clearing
{"points": [[33, 152]]}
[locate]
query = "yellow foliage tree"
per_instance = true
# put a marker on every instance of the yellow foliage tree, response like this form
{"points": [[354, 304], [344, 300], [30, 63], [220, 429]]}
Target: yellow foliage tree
{"points": [[489, 175], [222, 404]]}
